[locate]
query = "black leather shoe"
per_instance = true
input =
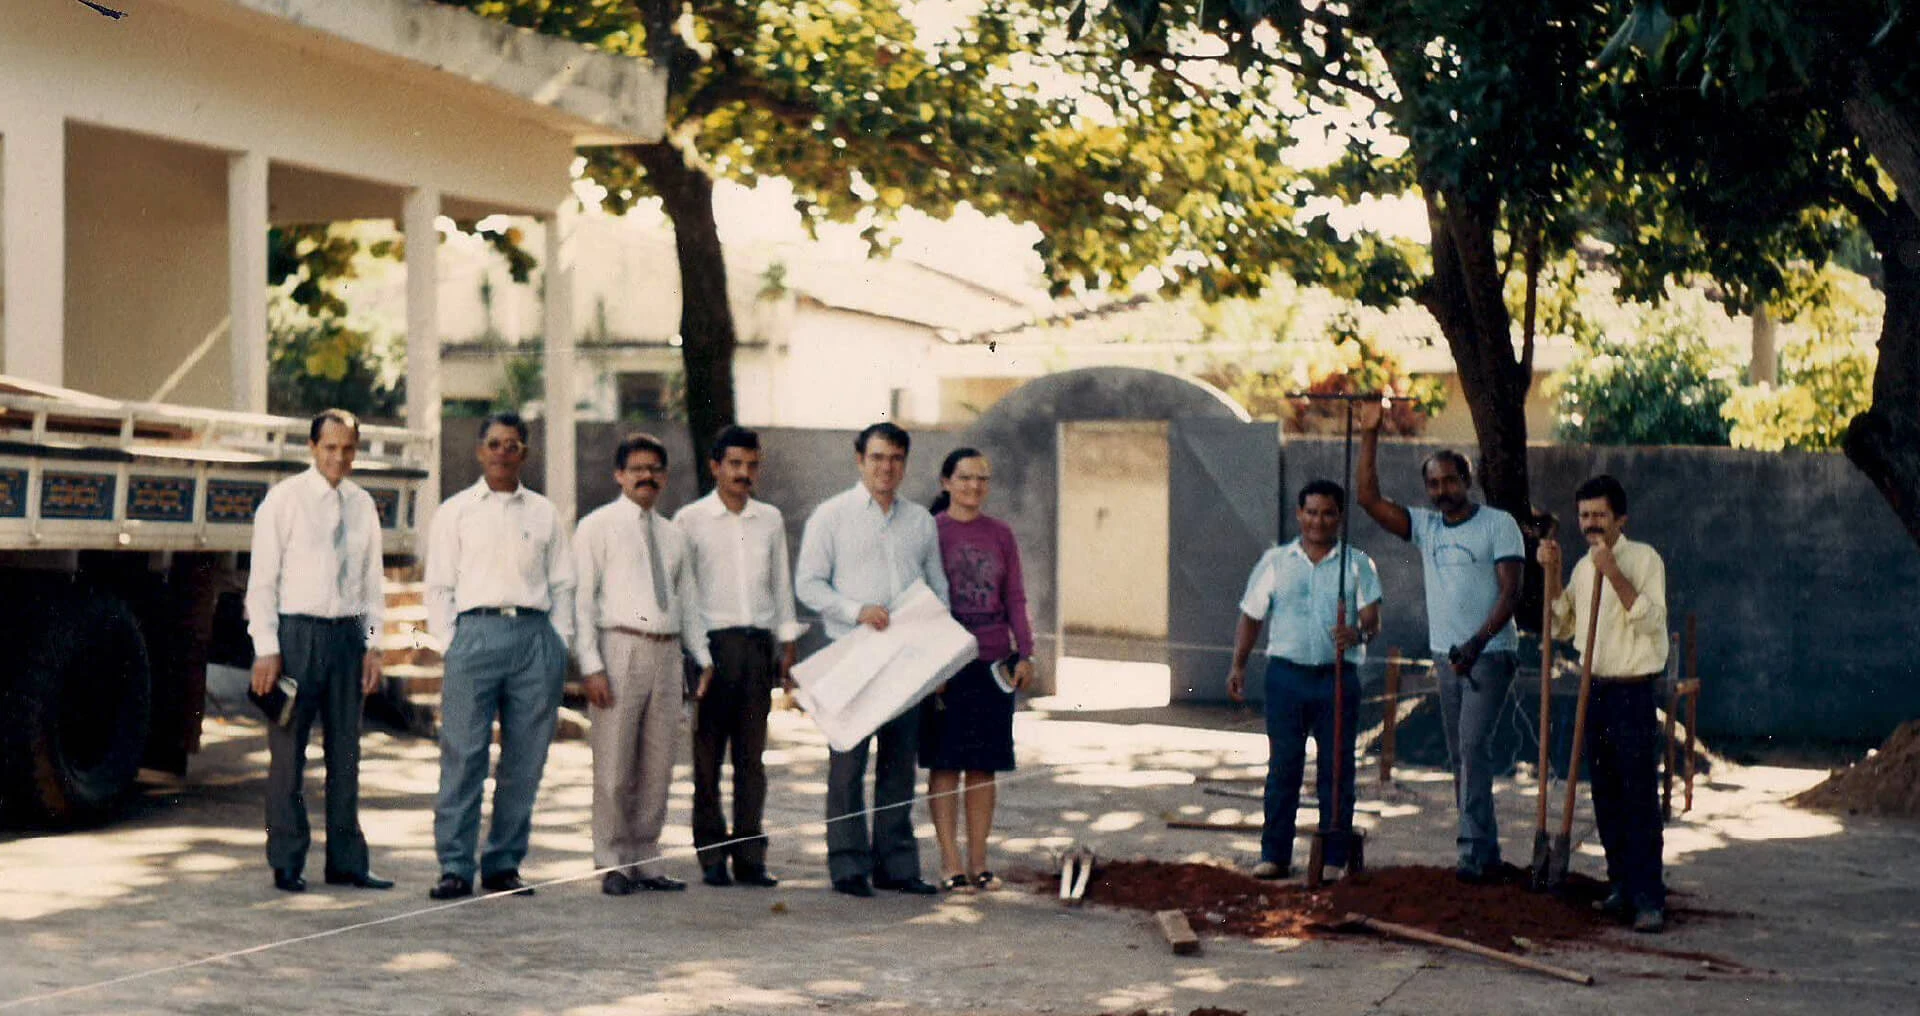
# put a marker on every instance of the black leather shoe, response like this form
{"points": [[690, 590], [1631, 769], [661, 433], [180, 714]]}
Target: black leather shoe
{"points": [[364, 880], [755, 876], [854, 886], [910, 886], [715, 874], [616, 883], [450, 887], [660, 884], [506, 882], [1616, 906], [288, 881]]}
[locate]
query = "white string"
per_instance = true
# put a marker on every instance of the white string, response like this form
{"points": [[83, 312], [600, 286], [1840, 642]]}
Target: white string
{"points": [[48, 996]]}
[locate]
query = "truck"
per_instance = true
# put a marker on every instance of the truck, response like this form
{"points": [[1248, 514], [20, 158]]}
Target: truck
{"points": [[124, 532]]}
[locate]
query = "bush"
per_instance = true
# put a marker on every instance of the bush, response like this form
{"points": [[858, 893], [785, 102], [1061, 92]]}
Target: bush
{"points": [[1825, 379], [1666, 388]]}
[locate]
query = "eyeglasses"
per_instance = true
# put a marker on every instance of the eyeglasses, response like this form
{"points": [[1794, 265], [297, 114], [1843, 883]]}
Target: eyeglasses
{"points": [[509, 446]]}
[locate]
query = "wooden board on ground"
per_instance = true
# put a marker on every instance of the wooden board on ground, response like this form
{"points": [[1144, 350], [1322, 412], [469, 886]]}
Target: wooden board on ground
{"points": [[1178, 933]]}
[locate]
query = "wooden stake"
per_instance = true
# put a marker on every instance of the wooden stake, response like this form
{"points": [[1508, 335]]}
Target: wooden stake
{"points": [[1392, 722], [1673, 708], [1178, 933], [1693, 705], [1462, 945]]}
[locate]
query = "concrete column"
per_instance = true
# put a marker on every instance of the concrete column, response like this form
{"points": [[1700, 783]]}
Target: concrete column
{"points": [[421, 208], [247, 278], [33, 245], [561, 359]]}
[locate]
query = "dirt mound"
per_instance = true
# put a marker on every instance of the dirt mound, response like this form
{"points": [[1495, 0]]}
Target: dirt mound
{"points": [[1227, 902], [1884, 783], [1202, 1011]]}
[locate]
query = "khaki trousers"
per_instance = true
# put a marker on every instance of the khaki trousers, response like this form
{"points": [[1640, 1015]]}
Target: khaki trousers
{"points": [[633, 750]]}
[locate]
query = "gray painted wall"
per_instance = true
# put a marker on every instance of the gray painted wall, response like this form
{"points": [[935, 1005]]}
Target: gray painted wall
{"points": [[1805, 587]]}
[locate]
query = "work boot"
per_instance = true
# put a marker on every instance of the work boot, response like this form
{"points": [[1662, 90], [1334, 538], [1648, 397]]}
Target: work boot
{"points": [[1650, 921], [1616, 906]]}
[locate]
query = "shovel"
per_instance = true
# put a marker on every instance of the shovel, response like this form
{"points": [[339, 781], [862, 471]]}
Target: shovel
{"points": [[1560, 856], [1542, 846]]}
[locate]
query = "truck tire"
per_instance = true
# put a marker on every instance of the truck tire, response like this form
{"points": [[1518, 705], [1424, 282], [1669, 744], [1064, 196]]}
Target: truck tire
{"points": [[79, 707]]}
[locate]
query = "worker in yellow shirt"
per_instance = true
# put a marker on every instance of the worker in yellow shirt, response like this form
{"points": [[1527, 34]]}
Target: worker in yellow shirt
{"points": [[1629, 655]]}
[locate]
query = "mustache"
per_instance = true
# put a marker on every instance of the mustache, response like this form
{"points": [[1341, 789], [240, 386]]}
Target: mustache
{"points": [[743, 482], [651, 484], [1594, 532]]}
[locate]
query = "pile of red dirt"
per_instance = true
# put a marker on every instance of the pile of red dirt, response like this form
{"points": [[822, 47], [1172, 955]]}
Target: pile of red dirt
{"points": [[1205, 1010], [1884, 783], [1226, 902]]}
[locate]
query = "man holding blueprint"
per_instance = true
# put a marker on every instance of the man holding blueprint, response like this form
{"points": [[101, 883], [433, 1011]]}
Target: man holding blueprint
{"points": [[863, 550]]}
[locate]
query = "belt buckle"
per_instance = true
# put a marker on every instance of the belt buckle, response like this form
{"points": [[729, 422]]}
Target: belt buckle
{"points": [[509, 611]]}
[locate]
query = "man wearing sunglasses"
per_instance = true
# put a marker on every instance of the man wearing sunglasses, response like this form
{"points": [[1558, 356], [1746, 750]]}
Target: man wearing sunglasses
{"points": [[500, 585]]}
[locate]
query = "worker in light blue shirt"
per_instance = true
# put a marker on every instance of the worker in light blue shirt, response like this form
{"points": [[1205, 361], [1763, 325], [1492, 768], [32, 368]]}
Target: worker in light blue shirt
{"points": [[861, 549], [1295, 590], [1472, 556]]}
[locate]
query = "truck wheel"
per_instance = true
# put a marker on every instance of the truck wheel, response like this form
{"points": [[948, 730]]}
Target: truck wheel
{"points": [[79, 708]]}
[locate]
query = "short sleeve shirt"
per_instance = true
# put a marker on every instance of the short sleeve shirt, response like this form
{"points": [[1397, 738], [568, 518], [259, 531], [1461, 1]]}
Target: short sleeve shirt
{"points": [[1461, 582], [1298, 598]]}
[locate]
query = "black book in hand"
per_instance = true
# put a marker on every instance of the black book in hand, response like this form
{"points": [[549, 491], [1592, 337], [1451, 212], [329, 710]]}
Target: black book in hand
{"points": [[277, 703]]}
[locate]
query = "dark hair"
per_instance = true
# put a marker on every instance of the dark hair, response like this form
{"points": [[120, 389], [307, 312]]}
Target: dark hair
{"points": [[888, 432], [1603, 486], [504, 418], [733, 436], [1460, 464], [1324, 488], [326, 416], [637, 442], [942, 501]]}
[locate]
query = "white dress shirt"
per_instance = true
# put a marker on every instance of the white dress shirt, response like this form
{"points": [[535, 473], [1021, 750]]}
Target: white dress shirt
{"points": [[740, 560], [490, 549], [298, 569], [616, 581], [854, 553]]}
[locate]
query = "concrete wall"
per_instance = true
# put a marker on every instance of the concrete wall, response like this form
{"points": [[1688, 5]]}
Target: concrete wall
{"points": [[1805, 587]]}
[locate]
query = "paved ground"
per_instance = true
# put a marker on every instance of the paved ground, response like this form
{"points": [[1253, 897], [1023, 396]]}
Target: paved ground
{"points": [[1825, 911]]}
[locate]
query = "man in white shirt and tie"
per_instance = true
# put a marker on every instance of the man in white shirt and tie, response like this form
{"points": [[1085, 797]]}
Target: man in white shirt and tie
{"points": [[746, 593], [637, 607], [861, 549], [314, 610], [500, 592]]}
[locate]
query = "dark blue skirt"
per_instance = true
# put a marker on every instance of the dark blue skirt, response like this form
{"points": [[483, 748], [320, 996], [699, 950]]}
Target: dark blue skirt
{"points": [[969, 726]]}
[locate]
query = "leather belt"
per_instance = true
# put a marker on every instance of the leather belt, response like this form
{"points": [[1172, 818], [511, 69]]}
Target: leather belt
{"points": [[317, 619], [1629, 678], [503, 612], [650, 636]]}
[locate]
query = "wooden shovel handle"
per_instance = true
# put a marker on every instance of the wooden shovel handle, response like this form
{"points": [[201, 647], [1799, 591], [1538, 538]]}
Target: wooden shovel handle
{"points": [[1580, 707], [1544, 773]]}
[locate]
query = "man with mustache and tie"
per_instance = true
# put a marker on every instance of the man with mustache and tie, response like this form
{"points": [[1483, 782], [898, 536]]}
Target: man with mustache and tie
{"points": [[638, 606], [314, 609], [1471, 557]]}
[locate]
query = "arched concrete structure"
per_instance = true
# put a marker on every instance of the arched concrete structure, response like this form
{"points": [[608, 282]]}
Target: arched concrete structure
{"points": [[1021, 434]]}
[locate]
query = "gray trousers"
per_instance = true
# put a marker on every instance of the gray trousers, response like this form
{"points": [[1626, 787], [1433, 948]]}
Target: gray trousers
{"points": [[1468, 708], [324, 658], [633, 742], [889, 850], [512, 668]]}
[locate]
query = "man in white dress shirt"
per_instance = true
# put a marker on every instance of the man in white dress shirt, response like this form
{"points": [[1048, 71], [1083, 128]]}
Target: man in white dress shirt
{"points": [[637, 606], [746, 593], [314, 610], [861, 549], [500, 592]]}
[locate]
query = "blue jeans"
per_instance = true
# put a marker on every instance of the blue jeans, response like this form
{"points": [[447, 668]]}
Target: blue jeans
{"points": [[1468, 708], [1300, 704]]}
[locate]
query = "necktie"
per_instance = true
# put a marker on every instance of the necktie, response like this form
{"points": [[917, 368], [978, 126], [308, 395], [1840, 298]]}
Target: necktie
{"points": [[340, 545], [653, 563]]}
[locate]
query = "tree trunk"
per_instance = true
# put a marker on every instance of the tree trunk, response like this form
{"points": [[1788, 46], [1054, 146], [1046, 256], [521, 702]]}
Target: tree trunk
{"points": [[1466, 296], [1884, 441], [1891, 131], [707, 338]]}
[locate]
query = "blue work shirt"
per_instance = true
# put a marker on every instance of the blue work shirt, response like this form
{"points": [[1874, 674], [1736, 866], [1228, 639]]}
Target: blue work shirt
{"points": [[1462, 585], [1299, 600], [853, 554]]}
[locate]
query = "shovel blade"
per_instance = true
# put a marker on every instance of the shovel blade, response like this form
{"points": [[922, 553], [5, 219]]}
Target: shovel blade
{"points": [[1542, 861], [1559, 859]]}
